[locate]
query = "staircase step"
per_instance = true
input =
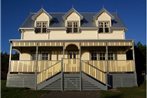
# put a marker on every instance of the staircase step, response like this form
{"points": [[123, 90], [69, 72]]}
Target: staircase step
{"points": [[88, 83]]}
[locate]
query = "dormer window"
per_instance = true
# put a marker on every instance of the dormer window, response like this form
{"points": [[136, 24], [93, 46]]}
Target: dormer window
{"points": [[72, 27], [41, 27], [103, 26]]}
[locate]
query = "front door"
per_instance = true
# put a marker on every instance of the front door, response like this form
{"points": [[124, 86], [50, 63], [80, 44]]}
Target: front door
{"points": [[72, 54]]}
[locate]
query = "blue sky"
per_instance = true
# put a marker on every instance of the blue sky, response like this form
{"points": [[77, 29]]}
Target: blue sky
{"points": [[14, 12]]}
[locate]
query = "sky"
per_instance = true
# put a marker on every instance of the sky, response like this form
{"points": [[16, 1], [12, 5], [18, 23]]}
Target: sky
{"points": [[14, 12]]}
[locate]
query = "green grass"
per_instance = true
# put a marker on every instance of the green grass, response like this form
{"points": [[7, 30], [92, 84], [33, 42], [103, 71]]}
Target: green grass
{"points": [[19, 92], [133, 92]]}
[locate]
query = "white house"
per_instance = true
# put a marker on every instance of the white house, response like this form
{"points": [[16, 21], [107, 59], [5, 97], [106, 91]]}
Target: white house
{"points": [[72, 51]]}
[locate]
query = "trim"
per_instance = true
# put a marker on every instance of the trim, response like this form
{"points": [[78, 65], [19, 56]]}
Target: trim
{"points": [[78, 40]]}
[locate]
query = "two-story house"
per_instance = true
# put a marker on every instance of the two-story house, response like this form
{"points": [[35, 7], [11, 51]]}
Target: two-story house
{"points": [[72, 51]]}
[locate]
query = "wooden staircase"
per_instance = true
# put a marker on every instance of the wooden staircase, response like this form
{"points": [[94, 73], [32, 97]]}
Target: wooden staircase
{"points": [[56, 78]]}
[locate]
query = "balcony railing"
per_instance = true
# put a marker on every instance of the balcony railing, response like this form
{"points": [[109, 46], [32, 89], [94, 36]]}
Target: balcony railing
{"points": [[73, 65], [30, 66]]}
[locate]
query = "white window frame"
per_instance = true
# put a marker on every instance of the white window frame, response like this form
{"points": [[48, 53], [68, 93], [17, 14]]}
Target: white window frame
{"points": [[42, 26], [103, 26], [73, 26]]}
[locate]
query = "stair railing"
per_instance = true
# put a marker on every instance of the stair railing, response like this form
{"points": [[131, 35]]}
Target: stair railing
{"points": [[94, 72], [49, 72]]}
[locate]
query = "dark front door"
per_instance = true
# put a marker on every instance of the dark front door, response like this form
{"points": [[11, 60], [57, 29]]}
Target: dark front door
{"points": [[72, 54]]}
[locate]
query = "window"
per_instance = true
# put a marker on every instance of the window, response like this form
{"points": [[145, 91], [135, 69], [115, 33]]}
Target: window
{"points": [[94, 56], [41, 27], [44, 56], [33, 56], [72, 54], [72, 27], [111, 56], [41, 56], [103, 27], [102, 56]]}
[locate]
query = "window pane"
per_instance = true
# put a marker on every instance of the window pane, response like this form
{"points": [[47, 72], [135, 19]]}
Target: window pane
{"points": [[100, 24], [37, 30], [102, 56], [38, 24], [44, 56], [44, 30], [33, 56], [75, 24], [69, 30], [44, 24], [69, 24], [100, 30], [93, 56], [75, 30], [106, 30]]}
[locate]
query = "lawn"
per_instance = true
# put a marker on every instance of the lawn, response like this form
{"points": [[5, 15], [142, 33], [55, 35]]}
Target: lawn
{"points": [[19, 92], [134, 92]]}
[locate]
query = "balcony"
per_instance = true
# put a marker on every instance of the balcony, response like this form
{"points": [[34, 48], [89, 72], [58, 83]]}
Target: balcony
{"points": [[73, 65]]}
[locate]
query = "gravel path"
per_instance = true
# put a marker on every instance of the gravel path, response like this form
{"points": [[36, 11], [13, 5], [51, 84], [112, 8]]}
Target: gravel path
{"points": [[72, 94]]}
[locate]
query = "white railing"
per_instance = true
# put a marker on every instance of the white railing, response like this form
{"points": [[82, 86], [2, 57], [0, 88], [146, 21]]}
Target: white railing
{"points": [[73, 65], [22, 66], [121, 66], [49, 72], [94, 72], [30, 66]]}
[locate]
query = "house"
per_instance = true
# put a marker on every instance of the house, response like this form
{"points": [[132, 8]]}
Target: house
{"points": [[72, 51]]}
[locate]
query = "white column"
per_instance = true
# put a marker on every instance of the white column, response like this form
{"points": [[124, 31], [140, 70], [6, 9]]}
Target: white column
{"points": [[36, 66], [10, 53], [80, 69], [133, 53], [107, 65], [62, 69]]}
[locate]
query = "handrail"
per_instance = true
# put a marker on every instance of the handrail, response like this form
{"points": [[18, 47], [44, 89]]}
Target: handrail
{"points": [[44, 75], [50, 66], [95, 72], [93, 66]]}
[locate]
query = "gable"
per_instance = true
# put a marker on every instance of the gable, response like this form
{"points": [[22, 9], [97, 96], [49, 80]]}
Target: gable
{"points": [[74, 12], [73, 17], [104, 17], [42, 17]]}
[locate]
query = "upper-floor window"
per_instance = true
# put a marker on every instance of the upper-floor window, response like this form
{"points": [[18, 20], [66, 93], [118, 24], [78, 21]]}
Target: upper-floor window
{"points": [[72, 27], [103, 26], [41, 27]]}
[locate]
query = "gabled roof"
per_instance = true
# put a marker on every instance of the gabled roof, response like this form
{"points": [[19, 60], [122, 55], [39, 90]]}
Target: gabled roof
{"points": [[39, 12], [103, 10], [87, 21], [71, 11]]}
